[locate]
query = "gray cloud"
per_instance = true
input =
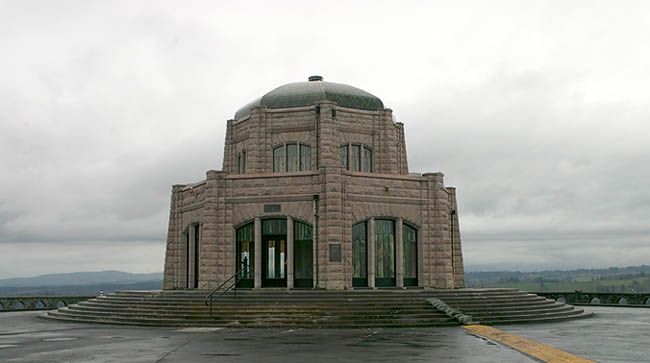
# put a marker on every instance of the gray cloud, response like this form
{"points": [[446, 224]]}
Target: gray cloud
{"points": [[538, 115]]}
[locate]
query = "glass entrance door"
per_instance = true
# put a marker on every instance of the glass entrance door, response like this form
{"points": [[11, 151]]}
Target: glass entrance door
{"points": [[274, 261], [274, 253]]}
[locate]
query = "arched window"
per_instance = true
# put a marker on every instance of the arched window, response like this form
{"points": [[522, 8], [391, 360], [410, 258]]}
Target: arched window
{"points": [[245, 255], [241, 162], [290, 157], [303, 266], [360, 255], [366, 164], [344, 157], [279, 159], [355, 157], [384, 252], [410, 247], [190, 240]]}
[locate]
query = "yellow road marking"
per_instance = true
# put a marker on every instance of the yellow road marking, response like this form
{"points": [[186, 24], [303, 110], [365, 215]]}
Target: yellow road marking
{"points": [[543, 352]]}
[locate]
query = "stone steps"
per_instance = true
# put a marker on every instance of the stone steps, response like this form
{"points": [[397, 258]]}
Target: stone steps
{"points": [[277, 315], [315, 308], [262, 321], [265, 310]]}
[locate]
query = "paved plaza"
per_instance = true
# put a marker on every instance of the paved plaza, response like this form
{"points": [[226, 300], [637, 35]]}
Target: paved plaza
{"points": [[612, 335]]}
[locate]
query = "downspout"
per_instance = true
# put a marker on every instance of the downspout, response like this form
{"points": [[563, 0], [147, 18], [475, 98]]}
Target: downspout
{"points": [[317, 136], [316, 236]]}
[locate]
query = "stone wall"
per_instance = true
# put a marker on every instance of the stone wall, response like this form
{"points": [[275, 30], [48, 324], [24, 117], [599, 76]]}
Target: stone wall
{"points": [[324, 127], [226, 200]]}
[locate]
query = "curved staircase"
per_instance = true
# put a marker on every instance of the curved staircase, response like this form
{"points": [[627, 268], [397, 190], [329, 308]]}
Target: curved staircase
{"points": [[315, 308]]}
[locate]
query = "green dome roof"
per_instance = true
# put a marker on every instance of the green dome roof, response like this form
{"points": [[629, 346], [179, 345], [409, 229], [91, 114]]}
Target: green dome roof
{"points": [[308, 93]]}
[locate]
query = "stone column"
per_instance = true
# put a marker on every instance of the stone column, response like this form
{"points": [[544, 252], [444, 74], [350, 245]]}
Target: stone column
{"points": [[371, 252], [399, 253], [289, 265], [258, 252]]}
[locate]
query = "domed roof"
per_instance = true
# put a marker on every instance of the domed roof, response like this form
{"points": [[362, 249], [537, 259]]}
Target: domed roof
{"points": [[308, 93]]}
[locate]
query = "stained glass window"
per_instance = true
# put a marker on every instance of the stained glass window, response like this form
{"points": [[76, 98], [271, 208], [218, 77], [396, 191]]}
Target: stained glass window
{"points": [[384, 249], [360, 251], [344, 157], [367, 160], [241, 162], [245, 250], [292, 157], [279, 159], [355, 154], [305, 157], [410, 241]]}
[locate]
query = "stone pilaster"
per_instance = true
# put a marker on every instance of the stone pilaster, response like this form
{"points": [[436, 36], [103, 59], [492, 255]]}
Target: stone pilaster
{"points": [[257, 143], [227, 164], [457, 252], [403, 165], [371, 252], [209, 257], [328, 143], [173, 248], [289, 269], [440, 250], [331, 273], [399, 253], [258, 253], [389, 143]]}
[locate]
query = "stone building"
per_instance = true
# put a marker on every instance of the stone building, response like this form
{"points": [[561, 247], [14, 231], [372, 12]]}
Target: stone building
{"points": [[314, 192]]}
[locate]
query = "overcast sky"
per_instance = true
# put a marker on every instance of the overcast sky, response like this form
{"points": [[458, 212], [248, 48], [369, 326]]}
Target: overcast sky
{"points": [[538, 112]]}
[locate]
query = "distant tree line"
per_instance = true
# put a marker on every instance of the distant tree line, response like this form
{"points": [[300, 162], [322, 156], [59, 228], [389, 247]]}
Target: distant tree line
{"points": [[613, 279]]}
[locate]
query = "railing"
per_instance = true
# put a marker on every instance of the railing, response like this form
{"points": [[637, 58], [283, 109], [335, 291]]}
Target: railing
{"points": [[598, 298], [17, 303], [229, 284]]}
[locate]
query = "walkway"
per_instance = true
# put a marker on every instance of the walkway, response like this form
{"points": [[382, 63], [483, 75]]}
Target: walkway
{"points": [[613, 335]]}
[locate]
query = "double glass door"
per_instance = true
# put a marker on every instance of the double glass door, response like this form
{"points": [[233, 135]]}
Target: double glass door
{"points": [[274, 261], [274, 248]]}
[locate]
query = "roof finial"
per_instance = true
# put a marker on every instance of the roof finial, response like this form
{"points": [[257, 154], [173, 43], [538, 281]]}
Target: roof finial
{"points": [[315, 78]]}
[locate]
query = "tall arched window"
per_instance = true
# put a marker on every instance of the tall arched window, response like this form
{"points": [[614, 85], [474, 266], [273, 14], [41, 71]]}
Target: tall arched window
{"points": [[355, 157], [303, 266], [290, 157], [245, 255], [360, 255], [384, 252], [241, 162], [410, 247]]}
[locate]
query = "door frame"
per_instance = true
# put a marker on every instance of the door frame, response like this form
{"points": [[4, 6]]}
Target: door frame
{"points": [[274, 282]]}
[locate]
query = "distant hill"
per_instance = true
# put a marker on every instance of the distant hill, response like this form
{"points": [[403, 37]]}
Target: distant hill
{"points": [[612, 279], [79, 283]]}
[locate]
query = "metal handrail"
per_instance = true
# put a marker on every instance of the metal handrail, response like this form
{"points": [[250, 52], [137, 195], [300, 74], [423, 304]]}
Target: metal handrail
{"points": [[209, 298]]}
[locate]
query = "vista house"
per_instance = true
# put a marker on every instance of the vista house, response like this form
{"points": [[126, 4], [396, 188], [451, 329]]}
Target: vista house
{"points": [[314, 192]]}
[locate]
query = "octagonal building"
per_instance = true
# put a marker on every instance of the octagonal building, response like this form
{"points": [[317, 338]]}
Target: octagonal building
{"points": [[314, 192]]}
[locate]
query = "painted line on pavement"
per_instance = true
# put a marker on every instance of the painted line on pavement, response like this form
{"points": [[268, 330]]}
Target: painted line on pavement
{"points": [[543, 352]]}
